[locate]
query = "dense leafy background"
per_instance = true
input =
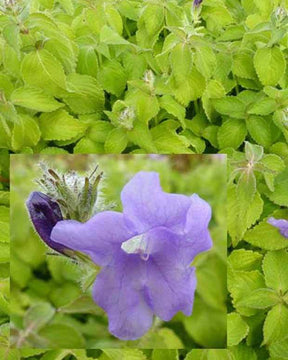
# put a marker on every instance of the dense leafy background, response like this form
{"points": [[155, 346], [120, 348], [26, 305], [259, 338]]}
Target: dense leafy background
{"points": [[147, 76], [111, 354], [48, 307], [4, 250]]}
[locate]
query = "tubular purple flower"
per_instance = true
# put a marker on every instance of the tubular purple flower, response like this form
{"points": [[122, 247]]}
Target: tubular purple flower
{"points": [[145, 253], [44, 214], [281, 224]]}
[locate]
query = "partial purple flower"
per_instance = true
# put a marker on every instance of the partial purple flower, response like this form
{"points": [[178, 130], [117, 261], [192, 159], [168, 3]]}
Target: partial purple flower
{"points": [[145, 253], [45, 213], [281, 224], [197, 2]]}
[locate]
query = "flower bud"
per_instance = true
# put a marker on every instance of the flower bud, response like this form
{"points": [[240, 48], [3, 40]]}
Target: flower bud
{"points": [[45, 213]]}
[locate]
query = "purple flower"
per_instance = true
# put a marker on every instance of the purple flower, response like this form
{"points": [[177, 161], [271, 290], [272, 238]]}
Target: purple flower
{"points": [[197, 2], [281, 224], [45, 213], [145, 252]]}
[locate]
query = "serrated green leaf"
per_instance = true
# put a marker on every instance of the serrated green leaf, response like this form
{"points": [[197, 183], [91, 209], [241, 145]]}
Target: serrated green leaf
{"points": [[245, 260], [25, 133], [116, 141], [231, 134], [42, 70], [38, 316], [276, 323], [86, 95], [231, 106], [260, 299], [266, 236], [35, 99], [270, 65], [276, 270], [59, 125], [237, 329]]}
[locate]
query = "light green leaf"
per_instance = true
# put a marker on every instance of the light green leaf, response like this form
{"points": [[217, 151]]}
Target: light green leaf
{"points": [[35, 99], [270, 65], [42, 70], [276, 324], [275, 267], [86, 96], [237, 329], [112, 77], [232, 133], [205, 61], [38, 316], [61, 335], [231, 106], [260, 299], [116, 141], [266, 237], [25, 132], [59, 125], [124, 354], [168, 103], [246, 260]]}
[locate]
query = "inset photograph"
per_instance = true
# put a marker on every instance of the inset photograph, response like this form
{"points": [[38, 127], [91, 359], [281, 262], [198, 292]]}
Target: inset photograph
{"points": [[113, 251]]}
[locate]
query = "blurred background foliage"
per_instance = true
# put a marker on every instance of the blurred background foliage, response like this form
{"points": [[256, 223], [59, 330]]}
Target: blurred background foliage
{"points": [[48, 308], [4, 248]]}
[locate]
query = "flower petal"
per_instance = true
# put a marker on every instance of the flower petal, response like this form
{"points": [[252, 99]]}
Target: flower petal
{"points": [[281, 224], [146, 205], [100, 237], [197, 237], [118, 289], [170, 282]]}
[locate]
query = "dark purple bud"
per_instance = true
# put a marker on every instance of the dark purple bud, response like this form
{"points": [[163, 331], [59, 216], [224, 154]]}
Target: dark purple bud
{"points": [[45, 213], [197, 2]]}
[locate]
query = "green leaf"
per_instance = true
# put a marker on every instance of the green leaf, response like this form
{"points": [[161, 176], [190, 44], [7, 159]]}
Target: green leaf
{"points": [[259, 129], [266, 237], [116, 141], [167, 140], [206, 326], [275, 267], [232, 133], [61, 335], [159, 354], [62, 354], [240, 285], [38, 316], [245, 260], [270, 65], [25, 133], [279, 349], [4, 224], [242, 352], [86, 96], [42, 70], [87, 63], [231, 106], [59, 125], [169, 104], [35, 99], [112, 77], [243, 65], [124, 354], [263, 107], [181, 61], [260, 299], [205, 61], [276, 324], [280, 194], [237, 329]]}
